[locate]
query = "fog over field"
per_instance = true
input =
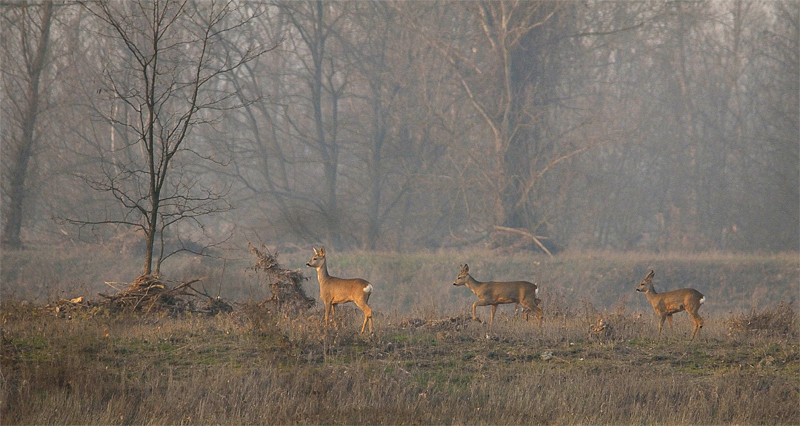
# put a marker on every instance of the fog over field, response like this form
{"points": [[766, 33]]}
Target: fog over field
{"points": [[539, 126]]}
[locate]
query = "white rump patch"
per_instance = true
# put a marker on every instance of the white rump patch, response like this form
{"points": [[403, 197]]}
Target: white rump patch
{"points": [[368, 289], [536, 293], [702, 300]]}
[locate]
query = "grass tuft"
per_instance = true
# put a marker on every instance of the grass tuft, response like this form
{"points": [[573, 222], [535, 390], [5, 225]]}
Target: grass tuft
{"points": [[779, 321]]}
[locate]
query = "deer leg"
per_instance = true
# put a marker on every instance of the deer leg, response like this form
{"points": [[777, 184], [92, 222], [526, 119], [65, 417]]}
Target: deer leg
{"points": [[474, 307], [697, 318], [367, 315], [491, 317], [661, 324], [669, 320], [531, 306], [698, 323], [333, 316], [328, 308], [539, 314]]}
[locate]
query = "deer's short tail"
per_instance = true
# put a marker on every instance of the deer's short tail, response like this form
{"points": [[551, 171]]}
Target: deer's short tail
{"points": [[702, 300], [368, 289]]}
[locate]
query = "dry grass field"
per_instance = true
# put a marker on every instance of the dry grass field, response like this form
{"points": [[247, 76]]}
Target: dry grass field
{"points": [[258, 368], [426, 364]]}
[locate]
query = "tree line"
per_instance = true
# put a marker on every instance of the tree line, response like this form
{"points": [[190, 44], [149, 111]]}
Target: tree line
{"points": [[653, 125]]}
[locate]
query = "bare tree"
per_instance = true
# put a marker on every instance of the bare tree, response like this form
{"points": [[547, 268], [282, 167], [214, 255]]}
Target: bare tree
{"points": [[326, 83], [391, 147], [775, 208], [163, 75], [26, 37], [506, 61]]}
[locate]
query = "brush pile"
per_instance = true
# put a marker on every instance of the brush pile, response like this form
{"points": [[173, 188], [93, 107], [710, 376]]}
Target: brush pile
{"points": [[149, 293], [65, 307], [286, 290]]}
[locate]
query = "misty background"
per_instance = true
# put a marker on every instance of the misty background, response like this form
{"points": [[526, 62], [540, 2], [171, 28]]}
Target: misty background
{"points": [[401, 126]]}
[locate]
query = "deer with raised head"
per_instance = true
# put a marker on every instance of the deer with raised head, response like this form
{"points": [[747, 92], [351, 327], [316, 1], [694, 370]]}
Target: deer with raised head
{"points": [[497, 293], [333, 290], [671, 302]]}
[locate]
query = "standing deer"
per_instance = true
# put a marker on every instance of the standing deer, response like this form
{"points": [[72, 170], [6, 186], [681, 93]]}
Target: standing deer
{"points": [[497, 293], [333, 290], [671, 302]]}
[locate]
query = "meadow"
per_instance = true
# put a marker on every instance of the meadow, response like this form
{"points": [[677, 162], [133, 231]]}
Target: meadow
{"points": [[427, 362]]}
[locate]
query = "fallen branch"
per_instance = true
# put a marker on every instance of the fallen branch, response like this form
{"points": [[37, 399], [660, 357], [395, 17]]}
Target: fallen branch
{"points": [[535, 238]]}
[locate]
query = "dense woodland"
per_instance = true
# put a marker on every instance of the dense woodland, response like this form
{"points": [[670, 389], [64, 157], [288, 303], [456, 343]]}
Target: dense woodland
{"points": [[394, 125]]}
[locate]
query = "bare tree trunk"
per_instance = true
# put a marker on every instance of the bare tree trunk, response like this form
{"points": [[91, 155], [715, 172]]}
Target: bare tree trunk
{"points": [[21, 158]]}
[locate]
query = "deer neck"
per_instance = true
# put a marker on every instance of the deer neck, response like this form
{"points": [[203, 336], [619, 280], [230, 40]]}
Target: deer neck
{"points": [[474, 284], [322, 273], [650, 293]]}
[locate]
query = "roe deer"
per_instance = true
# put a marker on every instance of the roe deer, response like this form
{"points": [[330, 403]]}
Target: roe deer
{"points": [[497, 293], [334, 291], [671, 302]]}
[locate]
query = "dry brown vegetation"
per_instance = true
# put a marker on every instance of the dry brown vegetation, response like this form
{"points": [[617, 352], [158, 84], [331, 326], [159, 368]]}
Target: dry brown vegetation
{"points": [[592, 362], [147, 294], [257, 366], [285, 285], [780, 320]]}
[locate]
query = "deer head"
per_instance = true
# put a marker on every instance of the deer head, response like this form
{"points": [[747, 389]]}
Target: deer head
{"points": [[647, 282], [462, 276], [318, 259]]}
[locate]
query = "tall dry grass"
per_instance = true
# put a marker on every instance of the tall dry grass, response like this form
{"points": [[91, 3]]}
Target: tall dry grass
{"points": [[258, 367], [427, 362], [404, 282]]}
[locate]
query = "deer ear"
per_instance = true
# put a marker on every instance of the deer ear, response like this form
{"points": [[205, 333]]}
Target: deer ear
{"points": [[315, 250], [465, 268], [650, 275], [322, 251]]}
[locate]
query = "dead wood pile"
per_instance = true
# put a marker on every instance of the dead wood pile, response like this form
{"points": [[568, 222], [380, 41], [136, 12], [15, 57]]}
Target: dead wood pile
{"points": [[149, 293], [65, 307], [286, 290]]}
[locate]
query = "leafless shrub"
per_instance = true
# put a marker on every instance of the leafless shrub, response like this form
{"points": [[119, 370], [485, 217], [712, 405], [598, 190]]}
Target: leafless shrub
{"points": [[780, 320], [286, 291], [602, 330]]}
